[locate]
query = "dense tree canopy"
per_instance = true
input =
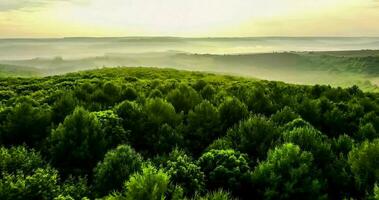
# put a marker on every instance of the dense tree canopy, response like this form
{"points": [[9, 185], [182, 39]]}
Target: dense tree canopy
{"points": [[144, 133]]}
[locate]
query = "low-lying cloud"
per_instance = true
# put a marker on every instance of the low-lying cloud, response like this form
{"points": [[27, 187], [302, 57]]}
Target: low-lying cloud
{"points": [[9, 5]]}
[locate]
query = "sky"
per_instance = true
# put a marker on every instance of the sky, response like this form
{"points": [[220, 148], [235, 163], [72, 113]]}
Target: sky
{"points": [[188, 18]]}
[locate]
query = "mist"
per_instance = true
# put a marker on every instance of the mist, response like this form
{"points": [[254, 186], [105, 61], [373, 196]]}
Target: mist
{"points": [[338, 61]]}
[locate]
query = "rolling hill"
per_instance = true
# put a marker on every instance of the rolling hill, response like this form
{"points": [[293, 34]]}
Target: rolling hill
{"points": [[335, 68]]}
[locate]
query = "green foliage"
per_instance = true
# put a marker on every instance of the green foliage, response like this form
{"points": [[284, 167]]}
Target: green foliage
{"points": [[156, 93], [183, 98], [75, 187], [343, 144], [63, 106], [332, 131], [150, 184], [366, 131], [363, 160], [77, 144], [19, 159], [132, 117], [227, 169], [6, 94], [218, 195], [158, 130], [160, 111], [203, 126], [61, 197], [26, 176], [41, 184], [332, 165], [259, 102], [288, 173], [309, 110], [208, 92], [117, 166], [284, 116], [129, 93], [254, 136], [312, 140], [221, 143], [111, 124], [114, 196], [166, 139], [296, 123], [111, 91], [199, 84], [185, 172], [26, 123], [232, 111], [376, 192]]}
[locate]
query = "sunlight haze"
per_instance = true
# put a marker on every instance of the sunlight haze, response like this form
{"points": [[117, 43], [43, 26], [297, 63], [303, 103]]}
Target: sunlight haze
{"points": [[195, 18]]}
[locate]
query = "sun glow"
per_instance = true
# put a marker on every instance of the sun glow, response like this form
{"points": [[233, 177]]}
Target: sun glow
{"points": [[189, 18]]}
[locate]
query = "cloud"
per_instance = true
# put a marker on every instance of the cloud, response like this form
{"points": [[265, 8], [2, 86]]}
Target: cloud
{"points": [[9, 5], [19, 4]]}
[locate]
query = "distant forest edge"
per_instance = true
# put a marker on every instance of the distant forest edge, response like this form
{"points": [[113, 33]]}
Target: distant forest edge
{"points": [[7, 70], [337, 68], [151, 134]]}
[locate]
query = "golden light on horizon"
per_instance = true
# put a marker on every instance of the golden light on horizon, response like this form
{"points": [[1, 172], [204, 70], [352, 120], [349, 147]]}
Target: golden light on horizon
{"points": [[195, 18]]}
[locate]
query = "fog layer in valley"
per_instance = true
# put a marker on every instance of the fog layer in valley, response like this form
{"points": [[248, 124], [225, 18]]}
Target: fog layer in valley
{"points": [[304, 60]]}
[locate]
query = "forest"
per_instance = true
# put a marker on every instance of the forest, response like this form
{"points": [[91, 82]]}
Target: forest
{"points": [[154, 134]]}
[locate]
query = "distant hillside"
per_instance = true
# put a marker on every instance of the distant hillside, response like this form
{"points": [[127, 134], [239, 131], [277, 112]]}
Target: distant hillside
{"points": [[82, 47], [351, 53], [7, 70], [332, 68]]}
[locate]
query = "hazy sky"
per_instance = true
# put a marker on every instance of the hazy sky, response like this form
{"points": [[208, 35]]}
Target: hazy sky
{"points": [[197, 18]]}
